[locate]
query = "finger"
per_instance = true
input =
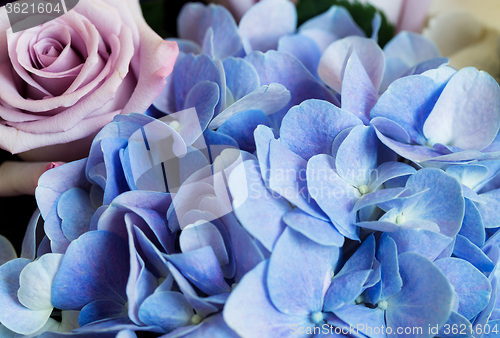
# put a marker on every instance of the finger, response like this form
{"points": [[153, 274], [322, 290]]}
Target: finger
{"points": [[21, 178]]}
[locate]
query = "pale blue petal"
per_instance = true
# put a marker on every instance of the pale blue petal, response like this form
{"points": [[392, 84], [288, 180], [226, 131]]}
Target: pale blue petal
{"points": [[202, 306], [472, 226], [250, 312], [311, 128], [201, 268], [265, 22], [302, 268], [426, 296], [452, 122], [344, 289], [334, 196], [317, 230], [304, 49], [266, 224], [190, 71], [58, 180], [358, 94], [167, 309], [76, 211], [356, 158], [269, 99], [246, 252], [334, 24], [195, 19], [412, 48], [241, 77], [466, 250], [427, 243], [84, 276], [99, 310], [263, 136], [442, 204], [241, 127], [472, 287], [14, 315], [364, 318], [408, 102], [387, 255], [288, 179], [201, 234], [282, 68], [490, 213], [189, 18], [333, 61], [35, 282], [204, 97]]}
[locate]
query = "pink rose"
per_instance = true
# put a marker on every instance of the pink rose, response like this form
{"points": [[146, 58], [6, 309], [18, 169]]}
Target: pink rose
{"points": [[61, 82]]}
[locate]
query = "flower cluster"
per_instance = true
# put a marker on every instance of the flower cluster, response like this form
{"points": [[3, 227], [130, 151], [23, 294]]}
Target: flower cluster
{"points": [[286, 182]]}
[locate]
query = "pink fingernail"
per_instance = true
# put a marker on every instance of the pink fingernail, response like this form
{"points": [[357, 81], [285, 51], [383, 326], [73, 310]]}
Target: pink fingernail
{"points": [[53, 165]]}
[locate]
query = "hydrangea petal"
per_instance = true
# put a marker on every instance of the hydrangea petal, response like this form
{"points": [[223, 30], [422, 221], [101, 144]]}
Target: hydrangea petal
{"points": [[358, 94], [472, 226], [333, 62], [408, 102], [339, 208], [466, 250], [452, 122], [76, 211], [310, 128], [190, 71], [241, 128], [344, 289], [269, 99], [427, 243], [202, 269], [167, 309], [250, 312], [282, 68], [35, 282], [490, 213], [201, 305], [363, 318], [472, 287], [83, 262], [356, 157], [300, 267], [317, 230], [287, 179], [200, 234], [265, 22], [443, 203], [100, 309], [425, 298], [15, 316], [58, 180], [304, 49], [265, 225], [334, 24], [241, 77]]}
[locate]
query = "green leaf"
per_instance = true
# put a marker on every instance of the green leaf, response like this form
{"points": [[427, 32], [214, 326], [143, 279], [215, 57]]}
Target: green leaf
{"points": [[361, 13]]}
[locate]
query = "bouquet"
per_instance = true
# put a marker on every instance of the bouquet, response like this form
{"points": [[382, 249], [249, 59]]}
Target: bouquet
{"points": [[319, 181]]}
